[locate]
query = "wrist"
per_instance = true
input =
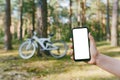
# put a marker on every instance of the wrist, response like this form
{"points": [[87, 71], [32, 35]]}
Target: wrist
{"points": [[98, 58], [94, 58]]}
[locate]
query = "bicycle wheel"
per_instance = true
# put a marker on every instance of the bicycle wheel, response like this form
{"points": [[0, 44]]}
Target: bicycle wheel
{"points": [[61, 49], [27, 50]]}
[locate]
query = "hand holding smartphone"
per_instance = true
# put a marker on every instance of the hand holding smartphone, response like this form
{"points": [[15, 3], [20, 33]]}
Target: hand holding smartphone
{"points": [[81, 44]]}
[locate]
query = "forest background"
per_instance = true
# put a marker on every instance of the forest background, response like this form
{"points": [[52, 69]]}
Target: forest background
{"points": [[19, 18]]}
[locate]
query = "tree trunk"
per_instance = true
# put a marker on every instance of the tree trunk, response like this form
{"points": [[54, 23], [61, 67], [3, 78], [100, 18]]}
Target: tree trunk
{"points": [[83, 7], [70, 15], [33, 16], [107, 21], [8, 36], [114, 28], [42, 20], [20, 30], [70, 18], [78, 13], [21, 20], [98, 19]]}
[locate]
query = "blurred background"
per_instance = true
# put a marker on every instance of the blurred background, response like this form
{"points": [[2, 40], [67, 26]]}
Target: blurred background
{"points": [[20, 18]]}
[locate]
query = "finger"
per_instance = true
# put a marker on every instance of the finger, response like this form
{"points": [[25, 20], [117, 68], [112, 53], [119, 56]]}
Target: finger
{"points": [[70, 39], [71, 53], [91, 38], [71, 46], [72, 57]]}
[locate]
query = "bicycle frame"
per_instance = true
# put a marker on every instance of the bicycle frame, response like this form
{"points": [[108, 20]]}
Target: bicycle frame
{"points": [[27, 49], [41, 42]]}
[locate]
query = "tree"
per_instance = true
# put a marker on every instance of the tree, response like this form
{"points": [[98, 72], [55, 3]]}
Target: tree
{"points": [[107, 21], [8, 36], [98, 21], [42, 20], [33, 16], [70, 14], [114, 27], [78, 13], [83, 7], [21, 20], [81, 10]]}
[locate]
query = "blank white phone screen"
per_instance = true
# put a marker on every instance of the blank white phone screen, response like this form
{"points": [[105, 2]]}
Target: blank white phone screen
{"points": [[81, 45]]}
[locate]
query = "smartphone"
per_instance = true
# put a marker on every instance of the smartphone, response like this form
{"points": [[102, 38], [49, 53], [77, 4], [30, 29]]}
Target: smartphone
{"points": [[81, 48]]}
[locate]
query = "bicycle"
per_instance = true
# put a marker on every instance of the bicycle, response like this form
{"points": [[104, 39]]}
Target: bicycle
{"points": [[57, 49]]}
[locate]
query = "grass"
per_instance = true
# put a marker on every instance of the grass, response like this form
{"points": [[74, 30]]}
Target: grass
{"points": [[12, 67]]}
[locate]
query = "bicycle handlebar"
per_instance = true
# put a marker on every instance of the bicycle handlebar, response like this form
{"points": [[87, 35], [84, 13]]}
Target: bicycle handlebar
{"points": [[51, 34], [34, 33]]}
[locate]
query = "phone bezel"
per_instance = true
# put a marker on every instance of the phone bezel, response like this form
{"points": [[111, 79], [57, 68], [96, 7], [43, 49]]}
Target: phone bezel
{"points": [[88, 45]]}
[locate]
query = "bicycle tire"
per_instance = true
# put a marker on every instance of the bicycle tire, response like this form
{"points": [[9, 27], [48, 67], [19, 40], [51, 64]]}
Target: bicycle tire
{"points": [[27, 53], [62, 47]]}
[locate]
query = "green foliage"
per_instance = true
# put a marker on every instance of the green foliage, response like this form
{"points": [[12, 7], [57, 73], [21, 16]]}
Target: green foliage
{"points": [[56, 11], [2, 4], [27, 6], [62, 30], [66, 32], [95, 25], [96, 30], [1, 36]]}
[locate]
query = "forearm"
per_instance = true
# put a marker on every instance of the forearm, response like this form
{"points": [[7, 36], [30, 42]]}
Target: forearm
{"points": [[109, 64]]}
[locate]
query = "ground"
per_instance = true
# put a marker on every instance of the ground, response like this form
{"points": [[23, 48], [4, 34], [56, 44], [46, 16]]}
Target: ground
{"points": [[12, 67]]}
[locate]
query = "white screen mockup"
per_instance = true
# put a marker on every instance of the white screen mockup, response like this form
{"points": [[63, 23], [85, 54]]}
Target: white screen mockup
{"points": [[81, 45]]}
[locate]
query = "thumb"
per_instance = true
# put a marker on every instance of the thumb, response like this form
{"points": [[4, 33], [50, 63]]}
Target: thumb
{"points": [[91, 38]]}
